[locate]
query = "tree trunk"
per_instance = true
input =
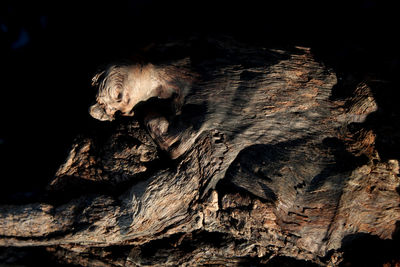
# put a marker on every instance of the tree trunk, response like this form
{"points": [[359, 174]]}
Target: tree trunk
{"points": [[267, 167]]}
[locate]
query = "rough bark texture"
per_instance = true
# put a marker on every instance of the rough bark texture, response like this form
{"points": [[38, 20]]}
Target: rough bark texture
{"points": [[269, 168]]}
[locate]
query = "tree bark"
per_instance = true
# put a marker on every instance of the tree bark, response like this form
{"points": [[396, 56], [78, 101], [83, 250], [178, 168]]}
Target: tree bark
{"points": [[266, 167]]}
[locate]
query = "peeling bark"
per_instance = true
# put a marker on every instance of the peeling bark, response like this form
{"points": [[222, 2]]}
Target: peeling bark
{"points": [[261, 165]]}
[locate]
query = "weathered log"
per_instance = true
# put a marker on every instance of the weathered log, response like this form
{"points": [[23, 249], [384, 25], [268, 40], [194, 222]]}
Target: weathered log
{"points": [[258, 166]]}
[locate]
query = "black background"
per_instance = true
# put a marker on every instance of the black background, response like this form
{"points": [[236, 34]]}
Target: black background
{"points": [[49, 53]]}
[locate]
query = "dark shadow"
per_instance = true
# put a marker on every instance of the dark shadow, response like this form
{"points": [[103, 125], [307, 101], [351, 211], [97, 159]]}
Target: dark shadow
{"points": [[282, 261], [192, 115], [371, 56], [343, 162], [177, 245], [366, 250], [187, 116], [29, 256], [256, 170], [241, 99], [385, 122], [271, 171], [106, 139], [209, 51]]}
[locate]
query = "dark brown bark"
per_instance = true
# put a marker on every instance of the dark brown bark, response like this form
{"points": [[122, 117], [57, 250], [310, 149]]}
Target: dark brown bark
{"points": [[268, 168]]}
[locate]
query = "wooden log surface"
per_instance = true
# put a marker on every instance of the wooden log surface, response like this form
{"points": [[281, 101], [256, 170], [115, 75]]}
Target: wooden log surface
{"points": [[261, 165]]}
